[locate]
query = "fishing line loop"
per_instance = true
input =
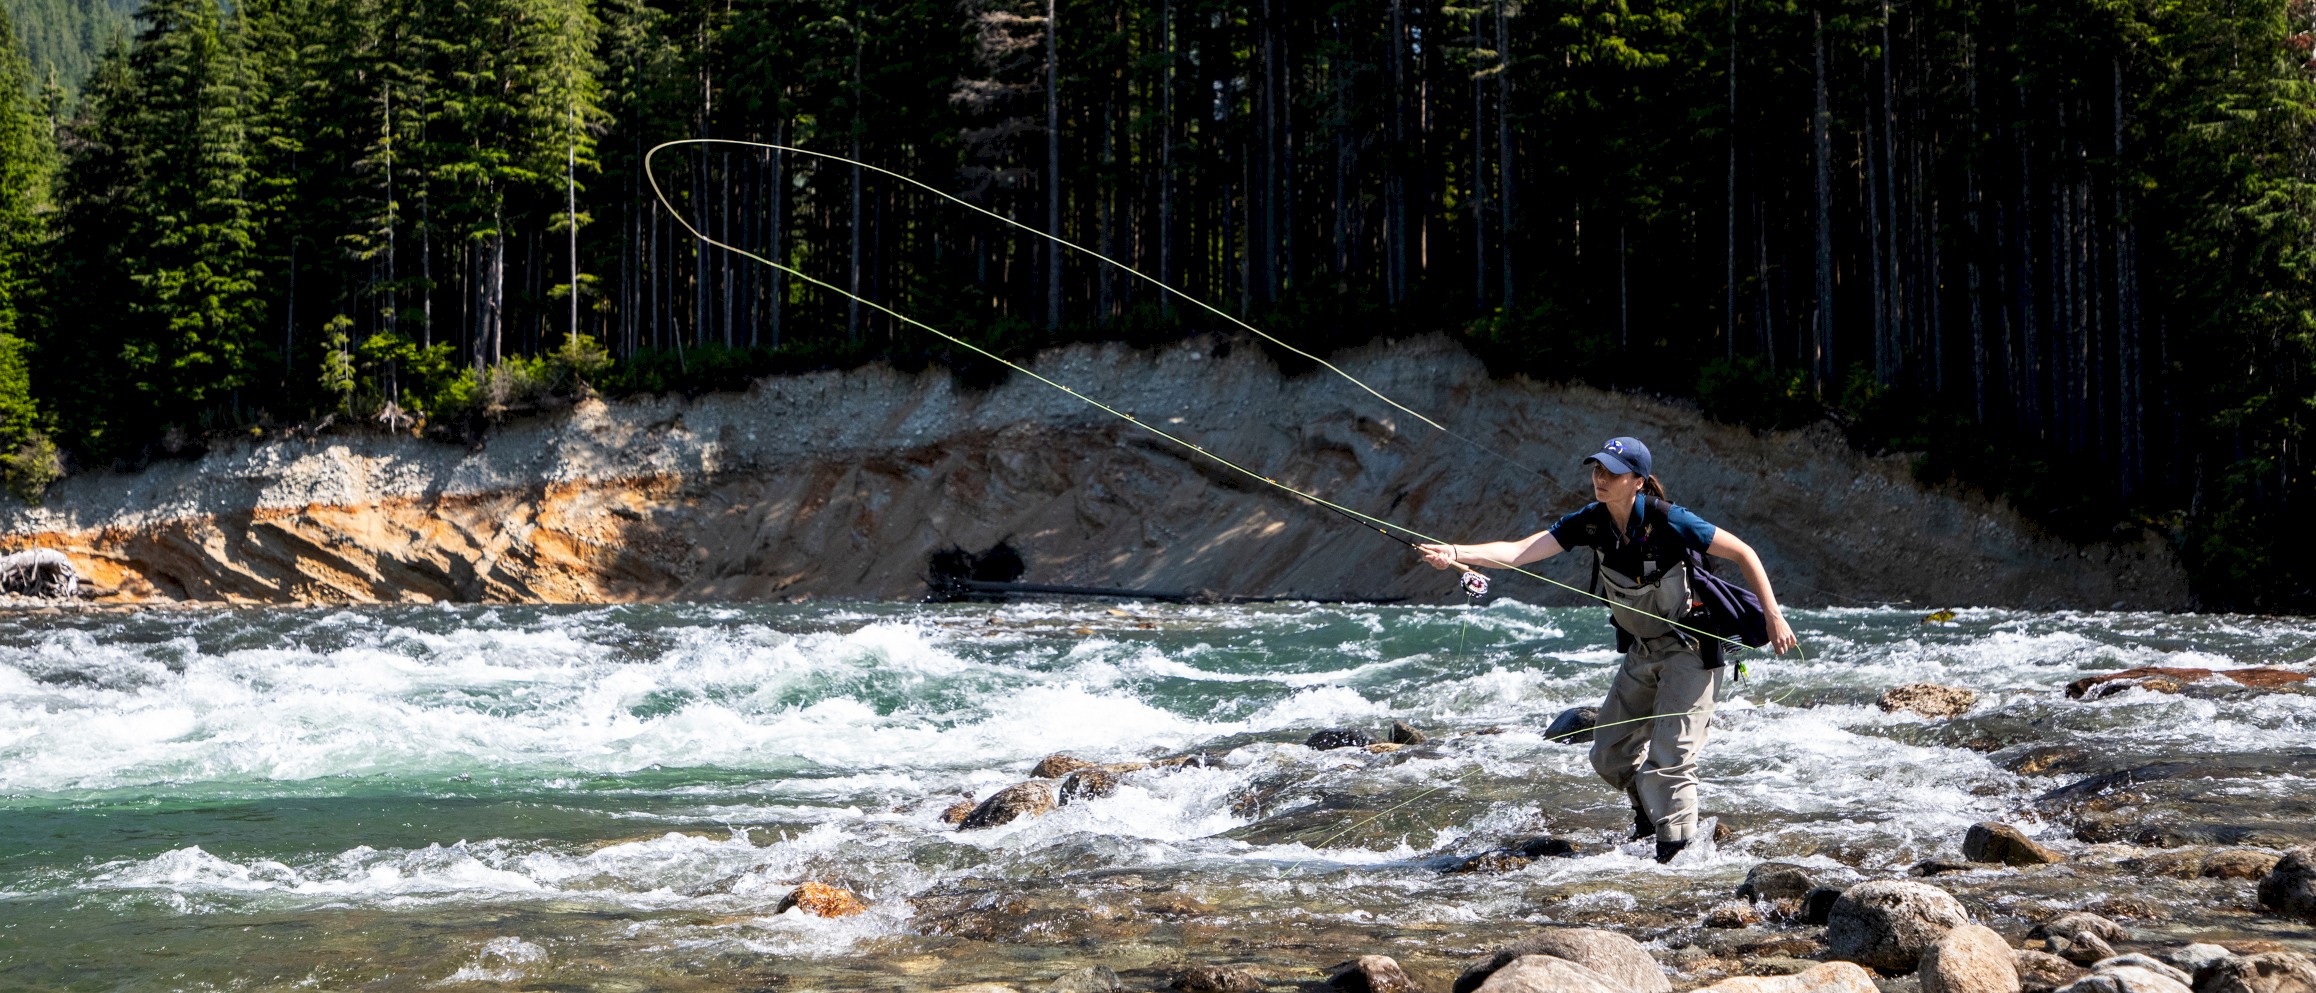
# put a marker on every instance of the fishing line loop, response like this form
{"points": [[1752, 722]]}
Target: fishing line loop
{"points": [[1382, 526]]}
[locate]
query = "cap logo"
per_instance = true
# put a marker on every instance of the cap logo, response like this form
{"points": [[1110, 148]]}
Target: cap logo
{"points": [[1614, 446]]}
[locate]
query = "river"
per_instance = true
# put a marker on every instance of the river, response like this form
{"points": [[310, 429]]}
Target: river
{"points": [[615, 798]]}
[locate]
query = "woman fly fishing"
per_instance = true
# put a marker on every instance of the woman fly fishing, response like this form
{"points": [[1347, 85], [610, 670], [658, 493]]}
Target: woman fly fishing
{"points": [[1670, 614]]}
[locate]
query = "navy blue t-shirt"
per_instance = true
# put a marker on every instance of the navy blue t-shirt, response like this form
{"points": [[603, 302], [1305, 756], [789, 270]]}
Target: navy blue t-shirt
{"points": [[1592, 527]]}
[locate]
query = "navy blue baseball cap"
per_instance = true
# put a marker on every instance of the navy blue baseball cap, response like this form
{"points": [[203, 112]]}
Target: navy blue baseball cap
{"points": [[1622, 455]]}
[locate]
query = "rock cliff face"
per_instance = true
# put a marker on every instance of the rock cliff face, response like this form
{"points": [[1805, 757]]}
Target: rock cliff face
{"points": [[840, 484]]}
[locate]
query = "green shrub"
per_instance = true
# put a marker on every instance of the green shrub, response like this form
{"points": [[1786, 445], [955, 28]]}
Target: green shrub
{"points": [[1746, 391]]}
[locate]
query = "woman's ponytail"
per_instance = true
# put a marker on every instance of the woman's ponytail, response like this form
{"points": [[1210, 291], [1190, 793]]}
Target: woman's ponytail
{"points": [[1654, 489]]}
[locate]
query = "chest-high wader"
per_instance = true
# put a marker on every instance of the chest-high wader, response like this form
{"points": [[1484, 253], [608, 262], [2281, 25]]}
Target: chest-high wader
{"points": [[1642, 604]]}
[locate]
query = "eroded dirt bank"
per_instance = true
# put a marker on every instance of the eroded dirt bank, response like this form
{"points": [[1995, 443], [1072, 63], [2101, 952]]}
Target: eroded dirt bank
{"points": [[840, 484]]}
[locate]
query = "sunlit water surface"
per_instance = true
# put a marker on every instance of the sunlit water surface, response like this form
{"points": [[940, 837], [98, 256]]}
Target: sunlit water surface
{"points": [[616, 798]]}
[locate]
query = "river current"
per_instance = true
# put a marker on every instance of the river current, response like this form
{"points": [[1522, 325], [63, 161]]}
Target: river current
{"points": [[618, 797]]}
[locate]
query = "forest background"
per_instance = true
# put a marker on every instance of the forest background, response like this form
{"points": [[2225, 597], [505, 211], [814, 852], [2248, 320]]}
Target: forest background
{"points": [[2062, 250]]}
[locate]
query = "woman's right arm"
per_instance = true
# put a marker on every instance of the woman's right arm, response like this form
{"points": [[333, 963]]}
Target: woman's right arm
{"points": [[1493, 554]]}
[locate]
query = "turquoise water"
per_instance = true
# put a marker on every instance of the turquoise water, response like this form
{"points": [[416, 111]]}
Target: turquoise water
{"points": [[617, 797]]}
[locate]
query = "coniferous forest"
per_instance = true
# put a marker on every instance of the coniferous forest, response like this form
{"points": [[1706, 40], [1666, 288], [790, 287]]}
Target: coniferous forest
{"points": [[2063, 250]]}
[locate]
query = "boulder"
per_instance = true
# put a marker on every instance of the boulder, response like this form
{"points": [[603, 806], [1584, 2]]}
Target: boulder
{"points": [[1928, 699], [1620, 960], [1817, 905], [1216, 979], [2161, 679], [2080, 937], [1371, 974], [1887, 924], [1546, 974], [1990, 841], [2290, 887], [1969, 959], [2194, 959], [2146, 962], [821, 900], [1056, 766], [1573, 726], [1831, 977], [2266, 972], [1732, 914], [1021, 799], [1776, 881], [2126, 979], [2042, 972], [1403, 733], [1088, 784], [2239, 863], [1333, 738], [1091, 979]]}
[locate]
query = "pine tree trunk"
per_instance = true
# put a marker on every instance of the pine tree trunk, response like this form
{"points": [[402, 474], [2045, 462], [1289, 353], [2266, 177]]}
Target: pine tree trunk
{"points": [[1504, 170], [1821, 125], [1053, 198]]}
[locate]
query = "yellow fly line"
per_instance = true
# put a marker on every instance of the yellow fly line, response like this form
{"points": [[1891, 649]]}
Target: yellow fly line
{"points": [[1380, 525]]}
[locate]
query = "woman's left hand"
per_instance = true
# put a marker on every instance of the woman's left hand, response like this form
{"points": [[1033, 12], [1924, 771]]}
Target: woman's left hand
{"points": [[1781, 639], [1438, 556]]}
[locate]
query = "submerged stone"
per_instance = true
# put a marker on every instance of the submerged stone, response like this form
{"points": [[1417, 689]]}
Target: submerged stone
{"points": [[1333, 738], [1573, 726]]}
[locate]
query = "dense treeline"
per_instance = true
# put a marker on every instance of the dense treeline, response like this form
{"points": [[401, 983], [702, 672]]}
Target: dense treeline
{"points": [[62, 38], [2063, 247]]}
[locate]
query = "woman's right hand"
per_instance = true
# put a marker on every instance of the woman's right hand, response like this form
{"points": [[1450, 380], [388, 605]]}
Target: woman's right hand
{"points": [[1438, 556]]}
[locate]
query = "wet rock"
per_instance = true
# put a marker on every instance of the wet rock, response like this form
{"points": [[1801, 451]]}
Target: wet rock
{"points": [[1990, 841], [1403, 733], [1490, 864], [1518, 855], [1371, 974], [1091, 979], [2238, 863], [1928, 699], [1817, 905], [2161, 679], [1216, 979], [957, 812], [1776, 881], [1573, 726], [1056, 766], [821, 900], [2186, 863], [2290, 887], [2042, 972], [1940, 867], [1623, 963], [1887, 924], [1546, 974], [1003, 807], [1830, 977], [2080, 937], [1333, 738], [2127, 905], [1787, 948], [1177, 905], [1088, 784], [1384, 747], [2267, 972], [1732, 915], [2048, 760], [1969, 959]]}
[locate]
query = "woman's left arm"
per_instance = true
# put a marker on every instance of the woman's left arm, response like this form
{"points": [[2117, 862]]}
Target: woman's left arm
{"points": [[1729, 546]]}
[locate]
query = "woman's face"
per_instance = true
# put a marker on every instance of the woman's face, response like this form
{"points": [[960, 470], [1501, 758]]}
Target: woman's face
{"points": [[1614, 488]]}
